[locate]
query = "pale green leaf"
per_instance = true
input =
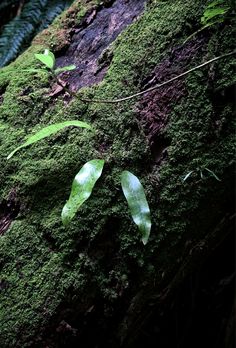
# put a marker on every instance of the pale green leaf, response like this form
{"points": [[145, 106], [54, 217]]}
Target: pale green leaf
{"points": [[49, 130], [65, 68], [82, 187], [47, 58], [137, 202]]}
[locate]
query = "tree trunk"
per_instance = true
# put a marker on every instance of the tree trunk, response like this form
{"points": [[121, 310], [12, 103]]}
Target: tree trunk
{"points": [[94, 284]]}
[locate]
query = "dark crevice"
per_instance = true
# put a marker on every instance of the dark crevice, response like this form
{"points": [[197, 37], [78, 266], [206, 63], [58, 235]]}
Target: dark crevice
{"points": [[8, 12], [2, 91], [9, 209], [200, 313], [221, 98], [52, 243]]}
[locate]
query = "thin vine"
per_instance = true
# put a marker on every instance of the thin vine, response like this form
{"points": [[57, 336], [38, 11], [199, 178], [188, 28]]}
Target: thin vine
{"points": [[119, 100]]}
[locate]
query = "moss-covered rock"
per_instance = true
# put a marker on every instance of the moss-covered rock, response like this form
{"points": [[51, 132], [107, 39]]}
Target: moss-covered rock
{"points": [[53, 279]]}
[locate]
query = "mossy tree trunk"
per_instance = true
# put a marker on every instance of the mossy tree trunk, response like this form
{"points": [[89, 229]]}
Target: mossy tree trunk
{"points": [[94, 284]]}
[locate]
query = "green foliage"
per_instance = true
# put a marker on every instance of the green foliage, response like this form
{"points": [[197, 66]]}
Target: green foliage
{"points": [[82, 187], [49, 130], [52, 10], [47, 277], [35, 16], [137, 202], [47, 58], [214, 13], [201, 172], [85, 180]]}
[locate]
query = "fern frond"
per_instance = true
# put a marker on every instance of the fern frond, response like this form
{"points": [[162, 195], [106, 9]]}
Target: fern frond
{"points": [[35, 16], [19, 30], [52, 10]]}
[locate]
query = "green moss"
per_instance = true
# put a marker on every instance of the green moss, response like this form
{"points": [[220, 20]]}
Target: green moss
{"points": [[41, 259], [57, 36]]}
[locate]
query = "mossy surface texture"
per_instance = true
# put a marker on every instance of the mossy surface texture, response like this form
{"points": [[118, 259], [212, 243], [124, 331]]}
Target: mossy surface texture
{"points": [[100, 256]]}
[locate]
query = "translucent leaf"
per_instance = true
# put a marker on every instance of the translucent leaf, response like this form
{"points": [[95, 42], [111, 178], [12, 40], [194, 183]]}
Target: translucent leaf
{"points": [[187, 175], [137, 202], [65, 68], [47, 58], [49, 130], [82, 187]]}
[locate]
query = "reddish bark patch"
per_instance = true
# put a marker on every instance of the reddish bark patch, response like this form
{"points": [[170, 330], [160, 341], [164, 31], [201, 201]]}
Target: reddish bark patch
{"points": [[98, 30], [154, 107]]}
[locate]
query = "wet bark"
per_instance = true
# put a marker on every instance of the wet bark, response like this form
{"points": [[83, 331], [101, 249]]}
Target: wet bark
{"points": [[90, 42]]}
